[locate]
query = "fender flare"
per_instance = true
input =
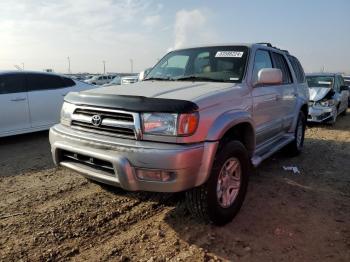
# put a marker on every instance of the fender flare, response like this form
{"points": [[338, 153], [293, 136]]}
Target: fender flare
{"points": [[226, 121]]}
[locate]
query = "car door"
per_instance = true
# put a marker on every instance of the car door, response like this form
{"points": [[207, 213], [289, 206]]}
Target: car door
{"points": [[266, 101], [287, 89], [14, 112], [343, 95], [45, 96]]}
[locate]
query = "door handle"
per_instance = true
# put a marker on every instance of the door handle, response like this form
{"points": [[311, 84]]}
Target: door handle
{"points": [[18, 99]]}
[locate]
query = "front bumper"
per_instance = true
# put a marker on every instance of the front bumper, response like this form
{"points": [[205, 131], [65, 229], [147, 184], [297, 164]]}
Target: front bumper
{"points": [[189, 164], [321, 114]]}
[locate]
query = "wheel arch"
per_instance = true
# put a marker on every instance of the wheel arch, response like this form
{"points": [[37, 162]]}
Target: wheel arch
{"points": [[234, 125]]}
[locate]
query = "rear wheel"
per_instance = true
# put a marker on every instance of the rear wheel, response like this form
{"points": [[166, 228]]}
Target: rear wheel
{"points": [[296, 146], [220, 198]]}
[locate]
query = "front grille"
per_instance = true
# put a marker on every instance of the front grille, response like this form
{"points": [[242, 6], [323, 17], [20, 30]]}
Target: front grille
{"points": [[88, 161], [112, 122], [110, 114]]}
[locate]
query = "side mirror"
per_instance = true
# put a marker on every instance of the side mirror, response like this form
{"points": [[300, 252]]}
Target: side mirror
{"points": [[344, 88], [142, 75], [269, 76]]}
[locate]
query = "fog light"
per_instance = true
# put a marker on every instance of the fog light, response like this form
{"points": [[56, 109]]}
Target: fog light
{"points": [[155, 175]]}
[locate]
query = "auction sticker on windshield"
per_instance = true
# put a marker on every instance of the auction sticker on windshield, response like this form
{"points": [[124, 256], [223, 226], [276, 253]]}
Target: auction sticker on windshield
{"points": [[229, 54]]}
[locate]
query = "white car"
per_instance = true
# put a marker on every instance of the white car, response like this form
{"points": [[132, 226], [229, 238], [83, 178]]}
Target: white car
{"points": [[328, 97], [116, 81], [100, 80], [129, 79], [32, 101]]}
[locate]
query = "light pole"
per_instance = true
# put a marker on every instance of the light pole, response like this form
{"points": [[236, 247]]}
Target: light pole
{"points": [[132, 65], [68, 64], [104, 66]]}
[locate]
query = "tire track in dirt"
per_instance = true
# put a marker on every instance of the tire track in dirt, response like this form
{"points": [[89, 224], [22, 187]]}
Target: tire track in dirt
{"points": [[86, 217]]}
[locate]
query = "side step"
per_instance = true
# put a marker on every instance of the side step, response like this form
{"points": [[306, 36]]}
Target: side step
{"points": [[271, 149]]}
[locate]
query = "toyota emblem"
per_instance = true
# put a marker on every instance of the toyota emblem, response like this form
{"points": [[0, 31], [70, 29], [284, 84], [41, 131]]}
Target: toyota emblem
{"points": [[96, 120]]}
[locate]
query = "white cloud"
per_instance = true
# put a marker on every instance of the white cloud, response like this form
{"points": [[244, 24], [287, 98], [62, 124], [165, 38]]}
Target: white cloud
{"points": [[191, 27], [43, 33], [151, 21]]}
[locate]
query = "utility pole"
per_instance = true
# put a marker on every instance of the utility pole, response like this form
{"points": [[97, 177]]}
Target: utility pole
{"points": [[68, 64], [104, 66], [132, 65]]}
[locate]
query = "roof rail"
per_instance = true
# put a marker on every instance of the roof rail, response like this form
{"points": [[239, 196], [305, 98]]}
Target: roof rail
{"points": [[269, 45], [263, 43]]}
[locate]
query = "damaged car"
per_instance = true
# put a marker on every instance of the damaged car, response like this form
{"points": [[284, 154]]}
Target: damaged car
{"points": [[328, 97]]}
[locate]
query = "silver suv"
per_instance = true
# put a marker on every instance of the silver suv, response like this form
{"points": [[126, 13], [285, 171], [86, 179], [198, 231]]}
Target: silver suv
{"points": [[197, 123]]}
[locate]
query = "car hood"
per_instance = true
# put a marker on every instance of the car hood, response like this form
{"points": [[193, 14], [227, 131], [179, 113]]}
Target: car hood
{"points": [[183, 90], [317, 93]]}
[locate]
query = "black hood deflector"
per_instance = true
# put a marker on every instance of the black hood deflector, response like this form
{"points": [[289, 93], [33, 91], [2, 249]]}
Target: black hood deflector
{"points": [[131, 103]]}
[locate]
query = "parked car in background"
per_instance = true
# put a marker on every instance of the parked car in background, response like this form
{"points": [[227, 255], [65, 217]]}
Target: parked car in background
{"points": [[129, 79], [116, 81], [32, 101], [347, 83], [197, 123], [100, 79], [329, 97]]}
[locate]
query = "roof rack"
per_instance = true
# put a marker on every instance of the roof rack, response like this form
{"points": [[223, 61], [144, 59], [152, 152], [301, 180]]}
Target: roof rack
{"points": [[263, 43], [269, 45]]}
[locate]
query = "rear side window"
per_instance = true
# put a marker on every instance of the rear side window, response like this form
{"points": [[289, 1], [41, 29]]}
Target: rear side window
{"points": [[262, 60], [37, 82], [280, 62], [68, 82], [298, 69], [12, 83]]}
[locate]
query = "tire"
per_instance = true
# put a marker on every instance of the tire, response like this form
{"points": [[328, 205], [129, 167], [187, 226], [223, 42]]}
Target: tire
{"points": [[346, 108], [204, 202], [334, 119], [296, 146]]}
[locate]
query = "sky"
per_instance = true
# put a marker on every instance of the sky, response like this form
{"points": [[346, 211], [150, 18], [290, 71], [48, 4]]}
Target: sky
{"points": [[43, 34]]}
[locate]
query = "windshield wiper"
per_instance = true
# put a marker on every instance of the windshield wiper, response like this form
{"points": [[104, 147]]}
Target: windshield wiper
{"points": [[159, 79], [198, 78]]}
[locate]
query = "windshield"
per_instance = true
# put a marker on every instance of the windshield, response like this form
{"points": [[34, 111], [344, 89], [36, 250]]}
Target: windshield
{"points": [[219, 64], [320, 81]]}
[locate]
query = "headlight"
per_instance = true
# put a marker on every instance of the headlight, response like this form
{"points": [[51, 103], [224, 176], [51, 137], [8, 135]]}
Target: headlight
{"points": [[326, 103], [66, 113], [169, 124]]}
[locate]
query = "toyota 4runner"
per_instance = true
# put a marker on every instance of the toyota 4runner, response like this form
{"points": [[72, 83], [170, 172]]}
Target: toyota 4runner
{"points": [[197, 123]]}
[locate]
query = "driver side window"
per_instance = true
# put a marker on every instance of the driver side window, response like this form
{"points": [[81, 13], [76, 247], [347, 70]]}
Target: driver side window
{"points": [[262, 60]]}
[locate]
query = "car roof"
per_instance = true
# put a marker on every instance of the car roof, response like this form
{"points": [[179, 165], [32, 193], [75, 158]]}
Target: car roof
{"points": [[5, 72], [266, 46]]}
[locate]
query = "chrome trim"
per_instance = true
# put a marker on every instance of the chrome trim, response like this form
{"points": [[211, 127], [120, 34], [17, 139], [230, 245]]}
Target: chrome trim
{"points": [[135, 126]]}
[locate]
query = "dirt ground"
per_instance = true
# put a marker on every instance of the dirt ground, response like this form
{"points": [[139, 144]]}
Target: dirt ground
{"points": [[50, 214]]}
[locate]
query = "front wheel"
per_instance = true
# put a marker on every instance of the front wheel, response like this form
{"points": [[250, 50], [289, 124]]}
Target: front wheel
{"points": [[334, 117], [221, 197]]}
